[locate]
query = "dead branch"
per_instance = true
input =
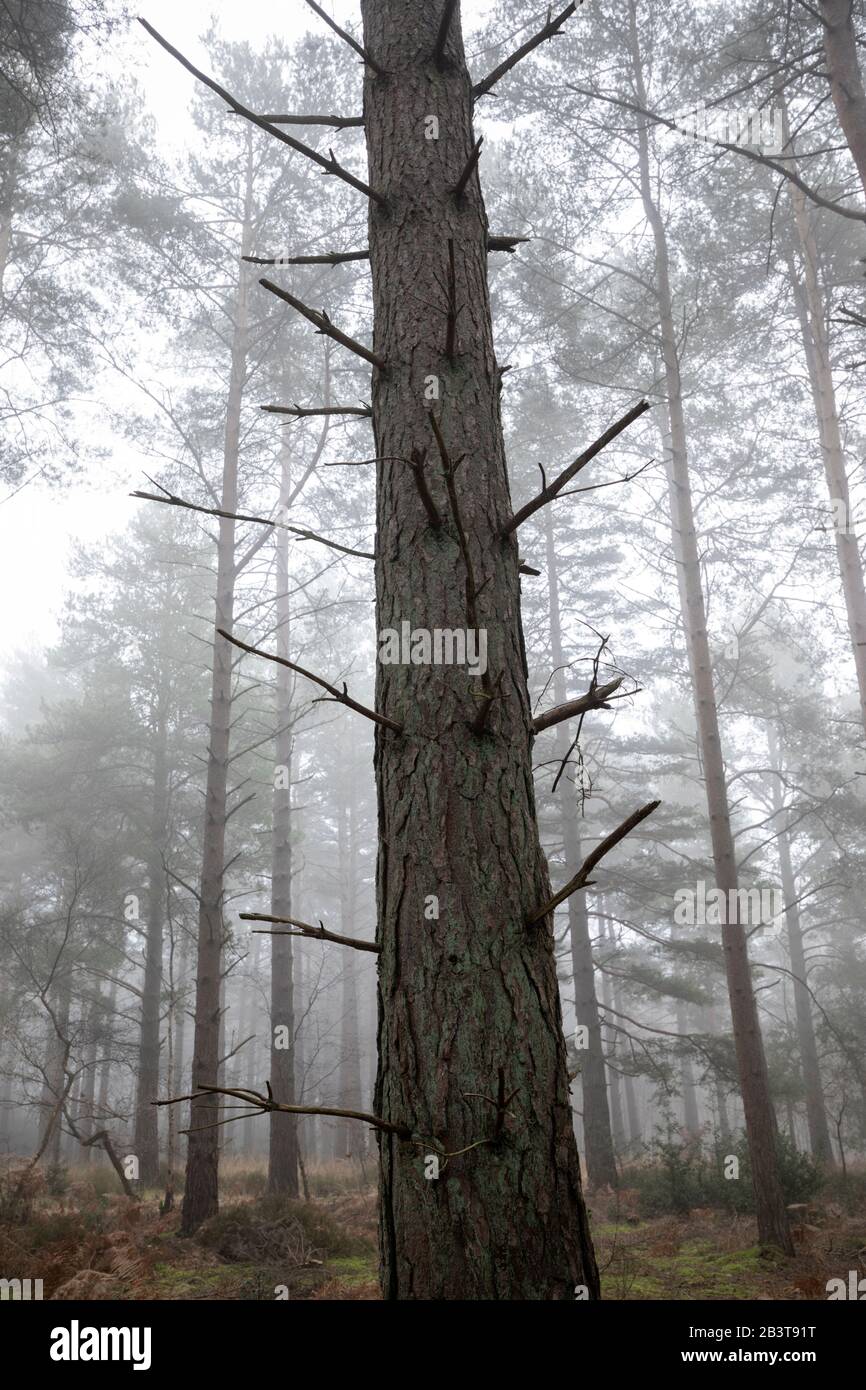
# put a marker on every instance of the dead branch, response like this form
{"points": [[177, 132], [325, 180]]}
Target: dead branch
{"points": [[581, 878], [302, 412], [263, 1104], [550, 31], [301, 531], [851, 316], [103, 1138], [324, 325], [341, 697], [328, 166], [347, 38], [416, 463], [494, 243], [442, 36], [460, 186], [505, 243], [338, 122], [595, 698], [548, 493], [305, 929], [327, 258]]}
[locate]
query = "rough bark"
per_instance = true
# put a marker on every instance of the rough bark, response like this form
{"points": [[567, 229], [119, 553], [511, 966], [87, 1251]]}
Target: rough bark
{"points": [[283, 1136], [201, 1190], [471, 996], [760, 1116]]}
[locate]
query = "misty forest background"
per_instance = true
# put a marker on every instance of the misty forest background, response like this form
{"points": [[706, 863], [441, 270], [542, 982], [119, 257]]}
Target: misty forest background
{"points": [[138, 347]]}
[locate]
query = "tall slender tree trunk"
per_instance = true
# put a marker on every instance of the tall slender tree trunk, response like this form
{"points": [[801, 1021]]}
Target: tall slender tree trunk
{"points": [[249, 1127], [816, 1110], [201, 1191], [350, 1136], [146, 1139], [595, 1105], [691, 1120], [760, 1116], [283, 1137], [88, 1080], [106, 1040], [54, 1086], [812, 315], [469, 1003]]}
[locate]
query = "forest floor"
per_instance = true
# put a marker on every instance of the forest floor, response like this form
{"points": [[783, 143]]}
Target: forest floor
{"points": [[88, 1242]]}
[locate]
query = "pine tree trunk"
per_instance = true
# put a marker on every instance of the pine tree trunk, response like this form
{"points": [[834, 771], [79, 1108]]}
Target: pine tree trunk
{"points": [[597, 1138], [146, 1141], [691, 1120], [201, 1191], [471, 996], [634, 1127], [760, 1116], [283, 1135], [845, 77], [349, 1134], [816, 1110], [106, 1039], [812, 315], [54, 1086]]}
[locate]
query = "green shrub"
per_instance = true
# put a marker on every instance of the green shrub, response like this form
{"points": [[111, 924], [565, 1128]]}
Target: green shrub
{"points": [[683, 1173]]}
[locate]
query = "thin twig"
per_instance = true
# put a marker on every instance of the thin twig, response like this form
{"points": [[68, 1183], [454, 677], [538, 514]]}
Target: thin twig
{"points": [[301, 531], [305, 929], [263, 1104]]}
